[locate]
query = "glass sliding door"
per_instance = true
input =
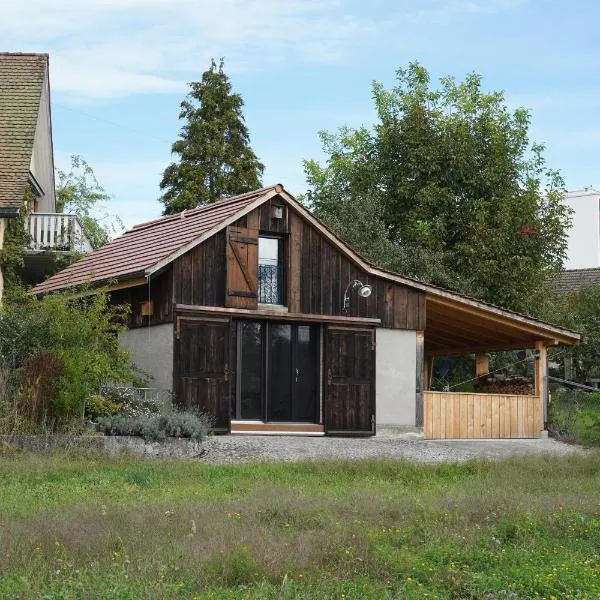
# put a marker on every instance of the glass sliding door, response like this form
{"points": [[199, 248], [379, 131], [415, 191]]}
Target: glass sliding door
{"points": [[306, 373], [278, 372], [251, 370]]}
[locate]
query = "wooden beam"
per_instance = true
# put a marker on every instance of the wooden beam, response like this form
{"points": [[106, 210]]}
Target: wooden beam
{"points": [[541, 375], [449, 350], [511, 320], [482, 365], [420, 384], [468, 321], [278, 315]]}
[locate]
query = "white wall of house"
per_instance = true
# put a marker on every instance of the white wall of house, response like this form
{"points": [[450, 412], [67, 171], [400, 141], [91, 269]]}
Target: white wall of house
{"points": [[152, 352], [584, 236], [42, 162], [395, 377]]}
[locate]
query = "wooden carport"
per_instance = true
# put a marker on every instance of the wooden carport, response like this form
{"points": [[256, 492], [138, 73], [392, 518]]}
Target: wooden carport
{"points": [[461, 325]]}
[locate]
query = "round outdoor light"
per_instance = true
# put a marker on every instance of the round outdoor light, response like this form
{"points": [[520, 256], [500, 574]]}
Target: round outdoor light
{"points": [[364, 291]]}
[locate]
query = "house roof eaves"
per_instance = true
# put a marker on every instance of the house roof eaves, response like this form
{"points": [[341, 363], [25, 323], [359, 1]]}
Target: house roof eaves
{"points": [[563, 334], [159, 266]]}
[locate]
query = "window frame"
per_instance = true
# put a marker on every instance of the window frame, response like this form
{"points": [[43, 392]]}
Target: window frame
{"points": [[281, 270]]}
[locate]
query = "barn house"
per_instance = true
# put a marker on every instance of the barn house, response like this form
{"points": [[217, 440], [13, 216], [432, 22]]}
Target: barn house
{"points": [[253, 310]]}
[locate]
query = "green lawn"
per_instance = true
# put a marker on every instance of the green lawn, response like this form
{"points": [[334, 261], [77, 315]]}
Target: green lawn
{"points": [[94, 527]]}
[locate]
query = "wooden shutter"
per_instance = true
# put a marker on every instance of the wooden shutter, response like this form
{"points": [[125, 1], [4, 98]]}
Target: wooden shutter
{"points": [[349, 403], [242, 268]]}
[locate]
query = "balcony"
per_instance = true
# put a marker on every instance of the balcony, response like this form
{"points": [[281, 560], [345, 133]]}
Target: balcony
{"points": [[56, 232], [55, 239]]}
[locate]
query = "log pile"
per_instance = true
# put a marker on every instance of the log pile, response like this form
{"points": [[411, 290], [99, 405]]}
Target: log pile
{"points": [[502, 384]]}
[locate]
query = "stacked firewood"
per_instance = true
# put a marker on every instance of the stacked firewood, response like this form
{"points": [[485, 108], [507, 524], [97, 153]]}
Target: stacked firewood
{"points": [[503, 384]]}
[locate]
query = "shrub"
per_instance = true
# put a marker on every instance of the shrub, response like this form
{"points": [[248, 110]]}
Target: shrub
{"points": [[99, 405], [575, 417], [157, 427], [81, 333], [40, 375]]}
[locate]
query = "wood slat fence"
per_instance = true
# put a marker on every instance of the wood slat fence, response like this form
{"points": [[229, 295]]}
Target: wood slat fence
{"points": [[457, 415]]}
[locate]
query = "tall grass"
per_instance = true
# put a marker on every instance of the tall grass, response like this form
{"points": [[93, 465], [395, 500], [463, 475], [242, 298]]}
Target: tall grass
{"points": [[85, 527]]}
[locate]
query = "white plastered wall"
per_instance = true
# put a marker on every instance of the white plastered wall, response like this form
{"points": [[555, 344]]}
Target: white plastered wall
{"points": [[396, 377], [152, 352]]}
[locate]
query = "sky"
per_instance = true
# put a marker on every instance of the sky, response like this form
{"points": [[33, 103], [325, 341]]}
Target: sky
{"points": [[119, 70]]}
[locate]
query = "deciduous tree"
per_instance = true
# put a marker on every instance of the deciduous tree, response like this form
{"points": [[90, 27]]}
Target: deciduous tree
{"points": [[449, 189]]}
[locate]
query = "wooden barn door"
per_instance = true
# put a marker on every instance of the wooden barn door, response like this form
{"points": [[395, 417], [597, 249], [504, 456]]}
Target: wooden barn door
{"points": [[242, 268], [349, 403], [202, 367]]}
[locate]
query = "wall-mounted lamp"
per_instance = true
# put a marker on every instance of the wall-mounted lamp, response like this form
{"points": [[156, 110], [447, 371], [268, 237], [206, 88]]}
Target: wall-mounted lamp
{"points": [[364, 291]]}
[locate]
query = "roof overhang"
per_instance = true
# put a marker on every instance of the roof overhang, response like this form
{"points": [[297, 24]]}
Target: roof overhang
{"points": [[455, 323], [8, 212], [455, 326]]}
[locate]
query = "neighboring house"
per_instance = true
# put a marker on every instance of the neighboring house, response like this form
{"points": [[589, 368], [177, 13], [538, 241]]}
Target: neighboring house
{"points": [[573, 280], [253, 310], [27, 163], [583, 250]]}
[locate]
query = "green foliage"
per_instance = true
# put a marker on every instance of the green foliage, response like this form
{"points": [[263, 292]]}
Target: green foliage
{"points": [[78, 192], [125, 401], [215, 158], [579, 311], [367, 529], [80, 333], [12, 254], [157, 427], [575, 417], [98, 406], [446, 187]]}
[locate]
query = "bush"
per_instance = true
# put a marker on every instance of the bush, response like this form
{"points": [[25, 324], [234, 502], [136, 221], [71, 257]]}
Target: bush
{"points": [[575, 417], [157, 427], [79, 335]]}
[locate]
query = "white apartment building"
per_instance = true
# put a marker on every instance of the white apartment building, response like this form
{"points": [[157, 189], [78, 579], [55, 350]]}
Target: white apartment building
{"points": [[584, 237]]}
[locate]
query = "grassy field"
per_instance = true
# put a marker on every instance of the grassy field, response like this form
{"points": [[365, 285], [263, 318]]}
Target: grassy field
{"points": [[94, 527]]}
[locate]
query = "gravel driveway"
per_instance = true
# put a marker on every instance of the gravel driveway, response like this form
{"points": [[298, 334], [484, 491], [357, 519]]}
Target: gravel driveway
{"points": [[242, 449]]}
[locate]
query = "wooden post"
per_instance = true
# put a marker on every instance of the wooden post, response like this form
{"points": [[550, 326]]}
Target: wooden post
{"points": [[420, 351], [428, 372], [482, 364], [541, 376]]}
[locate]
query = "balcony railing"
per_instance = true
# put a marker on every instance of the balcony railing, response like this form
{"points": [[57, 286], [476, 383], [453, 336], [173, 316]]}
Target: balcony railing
{"points": [[270, 288], [56, 232]]}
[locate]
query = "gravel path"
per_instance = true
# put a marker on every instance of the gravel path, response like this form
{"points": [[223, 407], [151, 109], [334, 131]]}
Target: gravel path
{"points": [[242, 449]]}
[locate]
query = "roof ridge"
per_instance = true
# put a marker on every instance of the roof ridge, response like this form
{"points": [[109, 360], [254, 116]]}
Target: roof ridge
{"points": [[44, 54], [578, 270], [199, 209]]}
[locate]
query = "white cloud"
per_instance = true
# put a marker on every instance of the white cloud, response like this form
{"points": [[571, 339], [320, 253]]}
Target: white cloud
{"points": [[108, 48], [111, 48]]}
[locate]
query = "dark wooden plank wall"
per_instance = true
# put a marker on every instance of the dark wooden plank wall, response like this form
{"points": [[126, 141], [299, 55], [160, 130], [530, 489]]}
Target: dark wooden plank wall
{"points": [[199, 276], [160, 291], [317, 277], [319, 274], [262, 218]]}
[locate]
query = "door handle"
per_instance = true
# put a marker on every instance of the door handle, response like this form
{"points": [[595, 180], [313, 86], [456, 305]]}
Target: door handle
{"points": [[226, 372], [329, 377], [297, 375]]}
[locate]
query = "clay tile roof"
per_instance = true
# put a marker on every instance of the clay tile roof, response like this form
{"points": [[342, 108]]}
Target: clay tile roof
{"points": [[574, 280], [21, 83], [148, 244]]}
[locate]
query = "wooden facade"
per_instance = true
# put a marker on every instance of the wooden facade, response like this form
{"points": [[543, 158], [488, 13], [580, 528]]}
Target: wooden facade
{"points": [[210, 294], [457, 415]]}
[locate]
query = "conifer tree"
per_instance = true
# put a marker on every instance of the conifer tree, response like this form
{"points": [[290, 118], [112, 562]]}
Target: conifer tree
{"points": [[215, 158]]}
